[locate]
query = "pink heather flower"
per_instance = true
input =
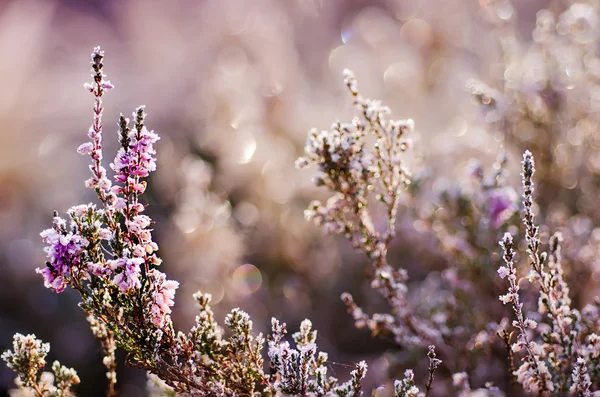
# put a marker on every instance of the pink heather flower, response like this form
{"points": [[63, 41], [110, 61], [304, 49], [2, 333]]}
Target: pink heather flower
{"points": [[52, 279], [105, 234], [98, 269], [129, 277], [137, 159], [139, 251], [85, 148], [104, 184], [123, 161], [145, 148], [162, 297], [529, 323], [82, 209], [119, 203], [503, 272], [94, 148], [139, 187], [63, 251], [506, 298], [138, 224]]}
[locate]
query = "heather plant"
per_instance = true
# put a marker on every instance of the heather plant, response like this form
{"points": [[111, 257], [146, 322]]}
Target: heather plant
{"points": [[27, 359], [258, 88], [364, 158], [352, 169], [560, 362], [108, 255]]}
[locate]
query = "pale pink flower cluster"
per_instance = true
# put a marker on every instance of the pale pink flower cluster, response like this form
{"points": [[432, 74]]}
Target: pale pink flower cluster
{"points": [[163, 295], [128, 276]]}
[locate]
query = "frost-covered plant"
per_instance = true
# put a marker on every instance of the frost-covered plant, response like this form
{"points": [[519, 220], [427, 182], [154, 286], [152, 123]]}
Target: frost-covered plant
{"points": [[558, 362], [106, 252], [108, 255], [27, 358], [558, 353], [355, 160]]}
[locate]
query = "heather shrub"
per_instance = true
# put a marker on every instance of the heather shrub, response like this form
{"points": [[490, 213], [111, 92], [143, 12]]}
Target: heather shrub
{"points": [[484, 320]]}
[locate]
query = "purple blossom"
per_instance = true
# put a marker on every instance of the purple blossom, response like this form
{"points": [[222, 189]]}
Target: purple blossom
{"points": [[98, 269], [136, 158], [64, 253], [501, 205], [129, 276]]}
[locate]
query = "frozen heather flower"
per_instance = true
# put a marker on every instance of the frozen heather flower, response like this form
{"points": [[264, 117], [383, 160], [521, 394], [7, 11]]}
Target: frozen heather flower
{"points": [[406, 387], [82, 209], [98, 269], [594, 345], [434, 363], [85, 148], [64, 379], [529, 323], [64, 253], [105, 234], [533, 373], [136, 156], [162, 297], [535, 377], [581, 379], [358, 375], [301, 370], [138, 223], [27, 357], [129, 276], [503, 271]]}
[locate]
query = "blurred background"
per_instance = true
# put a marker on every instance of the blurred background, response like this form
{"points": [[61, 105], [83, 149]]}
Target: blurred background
{"points": [[232, 87]]}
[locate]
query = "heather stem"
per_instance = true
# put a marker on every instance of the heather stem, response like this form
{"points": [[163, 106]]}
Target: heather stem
{"points": [[434, 362], [513, 296]]}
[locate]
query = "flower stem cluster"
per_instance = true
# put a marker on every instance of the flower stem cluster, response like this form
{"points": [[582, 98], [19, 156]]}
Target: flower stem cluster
{"points": [[303, 371], [567, 344], [353, 169], [108, 255], [27, 358]]}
